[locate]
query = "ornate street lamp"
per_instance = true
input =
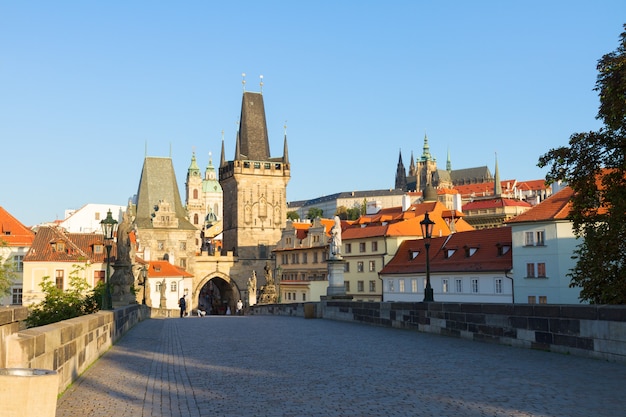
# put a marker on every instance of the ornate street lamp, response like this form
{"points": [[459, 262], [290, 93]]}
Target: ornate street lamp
{"points": [[427, 233], [109, 227], [144, 275]]}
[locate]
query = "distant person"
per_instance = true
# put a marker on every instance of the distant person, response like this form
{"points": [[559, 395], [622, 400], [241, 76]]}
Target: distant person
{"points": [[182, 303], [239, 307], [228, 311]]}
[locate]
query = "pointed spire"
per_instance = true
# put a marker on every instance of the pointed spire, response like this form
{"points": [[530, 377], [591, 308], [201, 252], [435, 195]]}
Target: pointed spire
{"points": [[223, 156], [412, 166], [426, 156], [285, 149], [237, 148], [448, 162], [193, 166], [497, 189], [400, 174]]}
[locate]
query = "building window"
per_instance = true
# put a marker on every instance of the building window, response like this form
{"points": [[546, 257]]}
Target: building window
{"points": [[530, 270], [359, 266], [182, 262], [97, 216], [498, 285], [360, 287], [541, 270], [18, 261], [316, 239], [444, 285], [374, 246], [303, 297], [362, 247], [529, 241], [262, 250], [173, 286], [347, 285], [390, 285], [532, 299], [98, 249], [414, 285], [182, 245], [540, 238], [348, 247], [158, 287], [288, 241], [543, 299], [294, 258], [16, 296], [346, 267], [98, 277], [314, 257], [474, 285], [304, 258], [372, 266], [372, 286], [458, 285], [401, 285], [59, 274]]}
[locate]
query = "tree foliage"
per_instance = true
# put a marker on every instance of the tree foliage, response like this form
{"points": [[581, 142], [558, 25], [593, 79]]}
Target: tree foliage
{"points": [[59, 305], [594, 165], [293, 215], [314, 213], [7, 272]]}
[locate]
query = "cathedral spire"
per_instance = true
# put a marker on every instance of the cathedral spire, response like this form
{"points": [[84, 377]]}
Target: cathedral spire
{"points": [[401, 174], [193, 166], [253, 139], [497, 189], [448, 162], [426, 156]]}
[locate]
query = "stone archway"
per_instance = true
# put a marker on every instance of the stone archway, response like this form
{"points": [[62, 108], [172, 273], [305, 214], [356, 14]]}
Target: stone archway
{"points": [[216, 295]]}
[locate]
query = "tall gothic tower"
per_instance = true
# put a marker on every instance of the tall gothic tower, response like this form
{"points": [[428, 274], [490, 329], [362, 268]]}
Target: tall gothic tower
{"points": [[254, 187], [193, 188]]}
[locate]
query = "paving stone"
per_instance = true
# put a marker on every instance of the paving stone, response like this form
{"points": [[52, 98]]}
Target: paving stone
{"points": [[288, 366]]}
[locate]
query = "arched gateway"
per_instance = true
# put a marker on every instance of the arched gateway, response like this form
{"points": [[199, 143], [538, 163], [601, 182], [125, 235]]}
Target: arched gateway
{"points": [[216, 294]]}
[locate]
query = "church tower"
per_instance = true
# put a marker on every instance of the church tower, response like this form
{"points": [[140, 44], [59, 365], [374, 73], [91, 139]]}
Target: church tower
{"points": [[254, 187], [426, 168], [400, 175], [193, 188]]}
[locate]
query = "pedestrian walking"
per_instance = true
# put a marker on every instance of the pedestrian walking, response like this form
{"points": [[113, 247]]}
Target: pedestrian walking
{"points": [[182, 303]]}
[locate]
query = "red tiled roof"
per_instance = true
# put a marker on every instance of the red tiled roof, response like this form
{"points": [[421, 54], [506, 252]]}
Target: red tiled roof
{"points": [[13, 232], [450, 254], [555, 207], [163, 269], [495, 202], [77, 247]]}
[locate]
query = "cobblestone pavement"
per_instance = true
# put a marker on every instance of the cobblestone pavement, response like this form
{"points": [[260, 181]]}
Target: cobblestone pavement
{"points": [[288, 366]]}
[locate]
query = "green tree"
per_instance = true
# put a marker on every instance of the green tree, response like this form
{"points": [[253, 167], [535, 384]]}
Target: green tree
{"points": [[314, 213], [293, 215], [7, 271], [594, 165], [342, 212], [354, 213], [59, 305]]}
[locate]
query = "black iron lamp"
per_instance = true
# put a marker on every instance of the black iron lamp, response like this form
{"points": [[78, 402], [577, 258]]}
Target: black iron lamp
{"points": [[427, 232], [109, 227], [144, 275]]}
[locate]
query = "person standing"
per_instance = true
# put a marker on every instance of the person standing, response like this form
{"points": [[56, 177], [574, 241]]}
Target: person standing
{"points": [[182, 303], [239, 307]]}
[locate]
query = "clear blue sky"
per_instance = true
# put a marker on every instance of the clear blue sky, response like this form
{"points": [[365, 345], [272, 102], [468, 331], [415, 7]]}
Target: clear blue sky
{"points": [[85, 87]]}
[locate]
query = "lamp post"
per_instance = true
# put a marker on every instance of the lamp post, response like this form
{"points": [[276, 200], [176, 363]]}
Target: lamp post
{"points": [[144, 275], [109, 226], [427, 233]]}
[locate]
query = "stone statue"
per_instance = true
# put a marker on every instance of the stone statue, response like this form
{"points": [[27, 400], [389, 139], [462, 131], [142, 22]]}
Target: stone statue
{"points": [[162, 290], [123, 278], [269, 279], [335, 239], [252, 289]]}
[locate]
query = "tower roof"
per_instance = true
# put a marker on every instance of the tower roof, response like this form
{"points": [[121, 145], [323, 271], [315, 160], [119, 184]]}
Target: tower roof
{"points": [[158, 183], [253, 140]]}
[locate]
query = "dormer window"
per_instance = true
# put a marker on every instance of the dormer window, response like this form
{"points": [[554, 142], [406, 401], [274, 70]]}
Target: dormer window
{"points": [[503, 249], [449, 252], [98, 248], [470, 251], [413, 254]]}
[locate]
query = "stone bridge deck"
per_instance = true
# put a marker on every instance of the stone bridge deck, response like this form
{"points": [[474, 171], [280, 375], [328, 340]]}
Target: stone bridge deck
{"points": [[288, 366]]}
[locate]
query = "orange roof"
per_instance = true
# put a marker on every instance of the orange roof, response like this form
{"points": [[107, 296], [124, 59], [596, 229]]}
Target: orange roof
{"points": [[164, 269], [495, 202], [13, 232], [76, 247], [555, 207], [476, 250]]}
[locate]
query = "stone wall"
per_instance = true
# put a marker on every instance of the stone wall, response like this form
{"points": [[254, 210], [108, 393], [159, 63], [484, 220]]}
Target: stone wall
{"points": [[597, 331], [69, 346]]}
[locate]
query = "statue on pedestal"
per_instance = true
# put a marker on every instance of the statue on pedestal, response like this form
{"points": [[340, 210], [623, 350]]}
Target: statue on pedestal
{"points": [[335, 240]]}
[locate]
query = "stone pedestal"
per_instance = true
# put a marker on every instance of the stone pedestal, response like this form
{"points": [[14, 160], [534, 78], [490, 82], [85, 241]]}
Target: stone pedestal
{"points": [[336, 287], [121, 281]]}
